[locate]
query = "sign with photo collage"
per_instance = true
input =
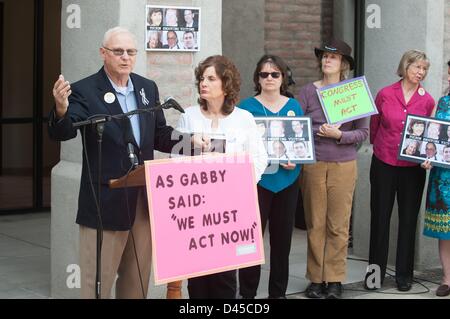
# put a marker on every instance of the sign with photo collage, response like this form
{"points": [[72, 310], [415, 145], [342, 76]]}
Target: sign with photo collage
{"points": [[170, 28], [287, 139], [426, 139]]}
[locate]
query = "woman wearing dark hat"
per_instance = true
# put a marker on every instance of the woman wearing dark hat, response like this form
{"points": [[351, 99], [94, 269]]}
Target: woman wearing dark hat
{"points": [[327, 186], [389, 176]]}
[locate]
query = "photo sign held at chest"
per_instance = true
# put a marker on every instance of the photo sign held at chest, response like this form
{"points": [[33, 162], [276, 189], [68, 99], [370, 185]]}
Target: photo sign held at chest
{"points": [[204, 215], [347, 101]]}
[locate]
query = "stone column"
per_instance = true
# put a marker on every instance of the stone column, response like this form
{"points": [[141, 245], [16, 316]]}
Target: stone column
{"points": [[243, 37]]}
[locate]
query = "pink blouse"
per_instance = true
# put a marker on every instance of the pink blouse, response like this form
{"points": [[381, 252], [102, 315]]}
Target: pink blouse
{"points": [[386, 128]]}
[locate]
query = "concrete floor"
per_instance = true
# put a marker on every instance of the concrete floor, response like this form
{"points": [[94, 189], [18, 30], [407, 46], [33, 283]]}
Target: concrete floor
{"points": [[25, 256], [25, 266]]}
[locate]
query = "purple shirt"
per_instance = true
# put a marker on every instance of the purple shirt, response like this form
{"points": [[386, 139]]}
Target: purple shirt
{"points": [[386, 128], [329, 149]]}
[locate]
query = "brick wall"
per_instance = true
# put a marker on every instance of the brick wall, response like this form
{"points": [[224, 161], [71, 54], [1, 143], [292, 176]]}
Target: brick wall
{"points": [[327, 18], [293, 28]]}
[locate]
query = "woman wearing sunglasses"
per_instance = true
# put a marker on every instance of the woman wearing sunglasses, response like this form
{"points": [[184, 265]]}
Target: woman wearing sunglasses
{"points": [[327, 186], [278, 188]]}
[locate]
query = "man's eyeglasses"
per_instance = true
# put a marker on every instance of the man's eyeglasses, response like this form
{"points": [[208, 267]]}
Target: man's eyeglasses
{"points": [[120, 52], [274, 75]]}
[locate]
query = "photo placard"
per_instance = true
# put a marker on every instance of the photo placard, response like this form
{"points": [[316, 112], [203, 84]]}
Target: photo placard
{"points": [[287, 139], [170, 28], [426, 138]]}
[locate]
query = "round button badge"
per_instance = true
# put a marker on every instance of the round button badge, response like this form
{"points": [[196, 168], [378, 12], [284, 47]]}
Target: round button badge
{"points": [[109, 98], [291, 113], [421, 92]]}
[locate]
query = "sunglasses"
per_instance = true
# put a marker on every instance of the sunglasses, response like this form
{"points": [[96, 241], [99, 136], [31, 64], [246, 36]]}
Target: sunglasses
{"points": [[274, 75]]}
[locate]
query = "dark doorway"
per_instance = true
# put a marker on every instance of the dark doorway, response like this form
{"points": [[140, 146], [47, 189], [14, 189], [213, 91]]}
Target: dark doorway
{"points": [[30, 40]]}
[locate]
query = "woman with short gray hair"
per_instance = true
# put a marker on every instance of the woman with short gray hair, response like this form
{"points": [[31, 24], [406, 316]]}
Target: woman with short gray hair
{"points": [[391, 177]]}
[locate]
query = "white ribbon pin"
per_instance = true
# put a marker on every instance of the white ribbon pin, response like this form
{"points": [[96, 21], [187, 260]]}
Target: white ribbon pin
{"points": [[144, 98], [109, 98]]}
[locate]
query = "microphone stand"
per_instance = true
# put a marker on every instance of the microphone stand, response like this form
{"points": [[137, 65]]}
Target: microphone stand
{"points": [[99, 122], [100, 128]]}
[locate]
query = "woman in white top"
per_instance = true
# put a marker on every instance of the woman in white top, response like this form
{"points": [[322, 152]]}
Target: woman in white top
{"points": [[216, 117]]}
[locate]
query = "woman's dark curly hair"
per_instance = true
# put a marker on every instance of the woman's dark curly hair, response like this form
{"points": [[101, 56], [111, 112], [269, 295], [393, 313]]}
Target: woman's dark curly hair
{"points": [[277, 63], [150, 12], [231, 80]]}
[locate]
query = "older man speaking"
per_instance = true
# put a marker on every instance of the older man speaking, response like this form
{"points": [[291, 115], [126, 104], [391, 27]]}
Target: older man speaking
{"points": [[113, 90]]}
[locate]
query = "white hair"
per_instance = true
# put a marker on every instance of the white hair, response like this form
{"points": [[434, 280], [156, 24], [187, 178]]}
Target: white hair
{"points": [[117, 30]]}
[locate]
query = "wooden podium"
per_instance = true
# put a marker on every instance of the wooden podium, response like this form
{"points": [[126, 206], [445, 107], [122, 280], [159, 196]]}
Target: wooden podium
{"points": [[135, 178]]}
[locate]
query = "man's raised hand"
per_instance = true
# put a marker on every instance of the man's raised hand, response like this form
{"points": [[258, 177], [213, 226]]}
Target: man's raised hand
{"points": [[61, 92]]}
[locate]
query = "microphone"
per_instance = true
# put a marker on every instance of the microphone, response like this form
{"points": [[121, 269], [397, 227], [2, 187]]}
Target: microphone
{"points": [[169, 102], [129, 141], [132, 156]]}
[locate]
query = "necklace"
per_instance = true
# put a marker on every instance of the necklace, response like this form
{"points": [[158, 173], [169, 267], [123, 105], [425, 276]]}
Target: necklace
{"points": [[265, 112], [264, 109]]}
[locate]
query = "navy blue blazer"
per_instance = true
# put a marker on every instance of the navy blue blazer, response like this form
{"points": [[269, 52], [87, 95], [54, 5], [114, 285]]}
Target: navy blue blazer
{"points": [[87, 99]]}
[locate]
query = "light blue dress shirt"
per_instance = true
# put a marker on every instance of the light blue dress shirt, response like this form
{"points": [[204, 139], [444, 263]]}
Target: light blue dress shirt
{"points": [[128, 103]]}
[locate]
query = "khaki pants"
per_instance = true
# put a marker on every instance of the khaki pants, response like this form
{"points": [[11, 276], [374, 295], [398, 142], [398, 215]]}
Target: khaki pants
{"points": [[327, 189], [118, 257]]}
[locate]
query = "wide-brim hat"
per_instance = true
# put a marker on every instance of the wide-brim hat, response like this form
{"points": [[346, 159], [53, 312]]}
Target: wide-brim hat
{"points": [[339, 47]]}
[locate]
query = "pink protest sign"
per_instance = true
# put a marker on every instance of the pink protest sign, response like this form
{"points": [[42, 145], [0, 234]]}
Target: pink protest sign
{"points": [[204, 216]]}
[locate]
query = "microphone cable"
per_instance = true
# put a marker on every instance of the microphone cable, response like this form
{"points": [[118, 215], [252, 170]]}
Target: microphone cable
{"points": [[100, 222], [391, 273], [97, 204], [415, 279], [144, 294], [127, 201]]}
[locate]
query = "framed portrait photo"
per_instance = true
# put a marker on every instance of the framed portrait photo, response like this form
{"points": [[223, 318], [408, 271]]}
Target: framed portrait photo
{"points": [[174, 29], [426, 138], [218, 144], [287, 139]]}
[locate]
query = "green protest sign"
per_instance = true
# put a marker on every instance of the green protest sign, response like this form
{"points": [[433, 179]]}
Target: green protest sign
{"points": [[347, 101]]}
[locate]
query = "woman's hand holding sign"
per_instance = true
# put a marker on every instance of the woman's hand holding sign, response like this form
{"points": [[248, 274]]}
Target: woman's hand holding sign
{"points": [[289, 166], [331, 131], [201, 141], [426, 165]]}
